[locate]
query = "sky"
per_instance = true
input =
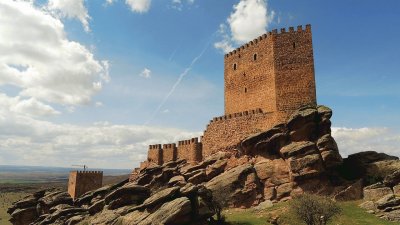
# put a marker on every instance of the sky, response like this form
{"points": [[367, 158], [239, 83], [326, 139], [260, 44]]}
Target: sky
{"points": [[96, 82]]}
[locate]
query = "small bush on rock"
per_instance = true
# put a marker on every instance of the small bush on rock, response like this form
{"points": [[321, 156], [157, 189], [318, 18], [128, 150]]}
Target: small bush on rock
{"points": [[314, 209]]}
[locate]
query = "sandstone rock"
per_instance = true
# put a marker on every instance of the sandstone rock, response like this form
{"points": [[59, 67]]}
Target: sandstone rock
{"points": [[264, 205], [387, 201], [215, 168], [272, 172], [188, 190], [353, 192], [283, 190], [324, 112], [392, 215], [304, 133], [199, 177], [24, 216], [126, 195], [306, 167], [270, 193], [249, 144], [134, 218], [368, 205], [392, 179], [161, 197], [271, 145], [298, 149], [96, 207], [301, 117], [176, 212], [53, 199], [177, 180], [396, 190], [236, 187], [376, 191]]}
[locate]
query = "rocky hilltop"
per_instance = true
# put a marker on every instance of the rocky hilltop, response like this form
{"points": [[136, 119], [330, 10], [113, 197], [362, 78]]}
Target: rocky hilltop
{"points": [[276, 165]]}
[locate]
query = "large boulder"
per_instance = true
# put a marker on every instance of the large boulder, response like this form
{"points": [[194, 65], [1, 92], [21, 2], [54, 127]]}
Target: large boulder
{"points": [[176, 212], [126, 195], [237, 187], [376, 191]]}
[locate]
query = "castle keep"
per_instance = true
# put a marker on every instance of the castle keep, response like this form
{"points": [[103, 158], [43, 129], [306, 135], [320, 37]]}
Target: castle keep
{"points": [[265, 81], [81, 182]]}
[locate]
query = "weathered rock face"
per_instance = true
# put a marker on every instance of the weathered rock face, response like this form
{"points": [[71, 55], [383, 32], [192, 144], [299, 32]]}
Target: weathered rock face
{"points": [[124, 203], [275, 165], [382, 198]]}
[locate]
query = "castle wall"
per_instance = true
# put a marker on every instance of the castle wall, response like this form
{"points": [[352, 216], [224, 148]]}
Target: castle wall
{"points": [[81, 182], [191, 150], [252, 84], [294, 68], [226, 132], [155, 154], [169, 152]]}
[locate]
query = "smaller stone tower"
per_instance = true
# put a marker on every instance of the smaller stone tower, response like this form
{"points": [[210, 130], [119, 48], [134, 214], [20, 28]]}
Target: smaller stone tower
{"points": [[81, 182]]}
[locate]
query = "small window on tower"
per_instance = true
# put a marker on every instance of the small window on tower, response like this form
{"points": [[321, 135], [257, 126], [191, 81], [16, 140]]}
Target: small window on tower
{"points": [[245, 90], [255, 57], [234, 66], [294, 45]]}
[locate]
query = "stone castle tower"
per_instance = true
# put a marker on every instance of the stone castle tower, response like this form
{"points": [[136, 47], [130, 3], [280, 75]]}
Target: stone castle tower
{"points": [[80, 182], [265, 81], [274, 73]]}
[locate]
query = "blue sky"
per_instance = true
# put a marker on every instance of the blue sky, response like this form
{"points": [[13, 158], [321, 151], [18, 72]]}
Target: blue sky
{"points": [[99, 82]]}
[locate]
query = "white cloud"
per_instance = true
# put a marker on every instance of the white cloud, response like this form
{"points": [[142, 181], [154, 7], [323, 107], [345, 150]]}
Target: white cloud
{"points": [[28, 107], [109, 2], [179, 4], [146, 73], [249, 19], [24, 140], [139, 6], [37, 57], [353, 140], [225, 44], [72, 9]]}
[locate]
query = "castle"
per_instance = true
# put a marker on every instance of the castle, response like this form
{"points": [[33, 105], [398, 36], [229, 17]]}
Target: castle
{"points": [[80, 182], [265, 81]]}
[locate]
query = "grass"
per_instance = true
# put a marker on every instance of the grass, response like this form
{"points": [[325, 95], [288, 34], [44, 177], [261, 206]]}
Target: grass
{"points": [[351, 215], [6, 199]]}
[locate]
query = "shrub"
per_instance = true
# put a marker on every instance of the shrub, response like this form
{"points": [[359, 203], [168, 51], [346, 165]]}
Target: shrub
{"points": [[314, 209]]}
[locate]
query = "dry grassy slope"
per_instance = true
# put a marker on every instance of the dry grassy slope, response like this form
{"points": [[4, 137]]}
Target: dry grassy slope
{"points": [[12, 192]]}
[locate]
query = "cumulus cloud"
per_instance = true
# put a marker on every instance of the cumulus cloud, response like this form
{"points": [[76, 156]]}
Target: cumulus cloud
{"points": [[139, 6], [37, 57], [103, 145], [74, 9], [146, 73], [353, 140], [249, 19]]}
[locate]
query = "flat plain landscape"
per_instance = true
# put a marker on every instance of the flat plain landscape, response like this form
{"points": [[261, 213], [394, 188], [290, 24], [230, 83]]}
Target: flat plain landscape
{"points": [[16, 182]]}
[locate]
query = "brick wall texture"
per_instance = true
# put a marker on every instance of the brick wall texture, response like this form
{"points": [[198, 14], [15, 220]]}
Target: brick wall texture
{"points": [[265, 81], [81, 182]]}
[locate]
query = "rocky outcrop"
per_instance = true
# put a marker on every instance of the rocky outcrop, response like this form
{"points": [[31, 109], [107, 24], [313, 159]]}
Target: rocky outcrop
{"points": [[275, 165], [382, 198], [125, 203]]}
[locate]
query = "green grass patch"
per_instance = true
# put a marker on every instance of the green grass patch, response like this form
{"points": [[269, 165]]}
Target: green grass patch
{"points": [[351, 215], [6, 199]]}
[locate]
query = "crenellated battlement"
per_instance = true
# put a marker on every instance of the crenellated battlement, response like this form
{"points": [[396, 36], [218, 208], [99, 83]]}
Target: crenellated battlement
{"points": [[268, 35], [188, 142], [156, 146], [235, 115], [89, 172]]}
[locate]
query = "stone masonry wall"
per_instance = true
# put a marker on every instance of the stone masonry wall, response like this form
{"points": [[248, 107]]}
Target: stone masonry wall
{"points": [[294, 69], [155, 154], [191, 150], [169, 152], [249, 77], [227, 131], [81, 182]]}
